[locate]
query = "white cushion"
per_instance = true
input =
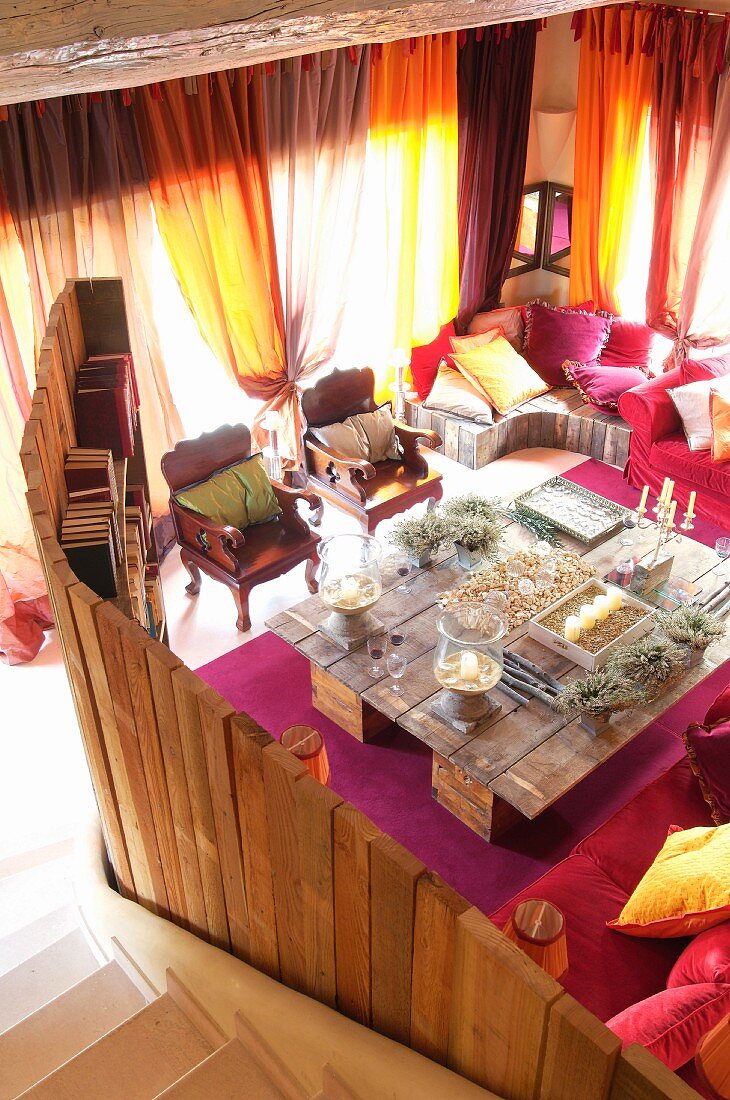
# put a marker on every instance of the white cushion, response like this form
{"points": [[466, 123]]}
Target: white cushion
{"points": [[453, 393], [692, 402]]}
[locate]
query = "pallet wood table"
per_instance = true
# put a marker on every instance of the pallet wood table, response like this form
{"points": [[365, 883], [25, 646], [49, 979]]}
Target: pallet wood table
{"points": [[520, 760], [555, 419]]}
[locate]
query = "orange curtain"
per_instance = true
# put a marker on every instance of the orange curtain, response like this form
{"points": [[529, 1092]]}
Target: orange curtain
{"points": [[611, 187], [206, 157]]}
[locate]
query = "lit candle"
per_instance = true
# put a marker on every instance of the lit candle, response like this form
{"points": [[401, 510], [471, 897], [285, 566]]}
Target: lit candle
{"points": [[469, 668], [615, 599], [672, 510], [572, 628], [587, 617], [642, 502], [691, 506], [349, 588], [602, 608]]}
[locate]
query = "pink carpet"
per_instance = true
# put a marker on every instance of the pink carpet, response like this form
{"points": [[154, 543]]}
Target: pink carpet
{"points": [[390, 779]]}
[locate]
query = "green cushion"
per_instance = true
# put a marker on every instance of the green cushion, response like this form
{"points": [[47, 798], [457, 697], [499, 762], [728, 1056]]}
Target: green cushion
{"points": [[237, 496]]}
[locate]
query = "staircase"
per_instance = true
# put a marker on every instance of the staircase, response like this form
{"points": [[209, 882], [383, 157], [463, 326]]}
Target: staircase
{"points": [[75, 1025]]}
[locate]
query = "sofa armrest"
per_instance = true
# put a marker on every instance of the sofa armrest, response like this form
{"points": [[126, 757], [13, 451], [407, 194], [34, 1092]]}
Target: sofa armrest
{"points": [[650, 410], [211, 540]]}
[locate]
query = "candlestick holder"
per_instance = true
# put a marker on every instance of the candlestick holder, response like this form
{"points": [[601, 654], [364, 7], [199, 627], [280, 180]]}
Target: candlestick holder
{"points": [[350, 586], [642, 522], [468, 662]]}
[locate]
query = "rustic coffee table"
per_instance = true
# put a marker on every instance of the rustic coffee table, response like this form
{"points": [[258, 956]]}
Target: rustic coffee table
{"points": [[521, 759]]}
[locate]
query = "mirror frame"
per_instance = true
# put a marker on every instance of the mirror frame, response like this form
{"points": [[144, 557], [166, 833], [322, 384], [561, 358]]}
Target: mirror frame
{"points": [[536, 262], [551, 260]]}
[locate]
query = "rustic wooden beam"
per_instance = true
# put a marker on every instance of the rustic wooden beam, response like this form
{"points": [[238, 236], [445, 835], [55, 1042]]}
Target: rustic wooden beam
{"points": [[52, 47]]}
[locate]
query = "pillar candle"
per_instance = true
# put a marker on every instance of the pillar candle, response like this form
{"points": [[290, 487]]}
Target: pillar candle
{"points": [[672, 510], [469, 668], [348, 588], [572, 629], [663, 494], [615, 599], [602, 608], [670, 492], [587, 617], [691, 506], [644, 495]]}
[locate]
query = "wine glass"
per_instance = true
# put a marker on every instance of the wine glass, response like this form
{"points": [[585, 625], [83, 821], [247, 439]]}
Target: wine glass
{"points": [[403, 569], [722, 549], [397, 636], [396, 665], [377, 645], [629, 521]]}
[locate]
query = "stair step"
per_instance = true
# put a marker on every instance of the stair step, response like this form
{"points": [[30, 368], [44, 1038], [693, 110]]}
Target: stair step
{"points": [[229, 1074], [20, 946], [44, 976], [28, 895], [135, 1061], [64, 1027]]}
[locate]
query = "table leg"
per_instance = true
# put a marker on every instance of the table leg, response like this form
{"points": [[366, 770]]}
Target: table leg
{"points": [[483, 812], [345, 707]]}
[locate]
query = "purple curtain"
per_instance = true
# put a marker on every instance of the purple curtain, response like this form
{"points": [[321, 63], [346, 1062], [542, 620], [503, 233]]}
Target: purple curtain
{"points": [[495, 71]]}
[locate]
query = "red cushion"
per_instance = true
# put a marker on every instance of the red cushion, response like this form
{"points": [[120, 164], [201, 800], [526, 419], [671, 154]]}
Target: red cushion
{"points": [[602, 386], [720, 709], [699, 370], [426, 358], [709, 751], [671, 1023], [554, 335], [630, 344], [673, 457], [706, 958]]}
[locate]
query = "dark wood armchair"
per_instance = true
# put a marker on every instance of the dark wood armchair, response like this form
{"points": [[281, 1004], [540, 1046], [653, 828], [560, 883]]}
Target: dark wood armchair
{"points": [[240, 559], [369, 492]]}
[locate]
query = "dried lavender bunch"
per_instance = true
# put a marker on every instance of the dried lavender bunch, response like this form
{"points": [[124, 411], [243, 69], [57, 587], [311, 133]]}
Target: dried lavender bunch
{"points": [[650, 662], [690, 626], [414, 535], [597, 693], [474, 522]]}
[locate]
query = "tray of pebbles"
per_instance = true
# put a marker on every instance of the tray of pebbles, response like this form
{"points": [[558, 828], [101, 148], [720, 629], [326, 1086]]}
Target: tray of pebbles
{"points": [[523, 601]]}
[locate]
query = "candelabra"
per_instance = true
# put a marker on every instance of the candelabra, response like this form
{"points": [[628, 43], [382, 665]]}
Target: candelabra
{"points": [[651, 574]]}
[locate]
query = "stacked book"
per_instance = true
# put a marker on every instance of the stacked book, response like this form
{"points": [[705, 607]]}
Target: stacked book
{"points": [[106, 403], [155, 606], [90, 535], [136, 554]]}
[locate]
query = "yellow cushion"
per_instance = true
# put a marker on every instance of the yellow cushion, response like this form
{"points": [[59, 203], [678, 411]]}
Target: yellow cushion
{"points": [[503, 376], [238, 496], [475, 340], [720, 420], [686, 889]]}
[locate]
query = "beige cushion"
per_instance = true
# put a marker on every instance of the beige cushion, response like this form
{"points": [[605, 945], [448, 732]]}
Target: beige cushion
{"points": [[460, 344], [368, 437], [502, 375], [692, 402], [510, 319], [453, 393]]}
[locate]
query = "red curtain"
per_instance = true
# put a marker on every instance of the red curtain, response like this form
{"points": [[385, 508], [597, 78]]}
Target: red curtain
{"points": [[495, 72]]}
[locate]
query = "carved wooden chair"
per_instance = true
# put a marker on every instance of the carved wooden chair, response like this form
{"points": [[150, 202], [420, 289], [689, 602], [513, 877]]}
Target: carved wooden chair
{"points": [[369, 492], [240, 559]]}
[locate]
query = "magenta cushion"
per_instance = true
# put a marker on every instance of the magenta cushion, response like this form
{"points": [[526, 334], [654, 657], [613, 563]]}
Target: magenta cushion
{"points": [[706, 958], [630, 344], [602, 386], [425, 360], [554, 335], [699, 370], [671, 1023], [720, 709], [708, 749]]}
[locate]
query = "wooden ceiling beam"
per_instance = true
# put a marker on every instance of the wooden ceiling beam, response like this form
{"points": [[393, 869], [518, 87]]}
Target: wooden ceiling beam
{"points": [[56, 47]]}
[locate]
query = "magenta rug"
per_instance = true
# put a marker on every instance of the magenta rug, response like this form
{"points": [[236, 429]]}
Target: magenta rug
{"points": [[390, 779]]}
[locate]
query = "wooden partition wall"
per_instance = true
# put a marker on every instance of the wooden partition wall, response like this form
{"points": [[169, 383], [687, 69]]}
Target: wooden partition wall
{"points": [[211, 824]]}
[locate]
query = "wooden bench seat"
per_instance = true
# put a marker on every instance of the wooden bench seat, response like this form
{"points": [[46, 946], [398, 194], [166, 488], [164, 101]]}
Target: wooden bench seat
{"points": [[556, 419]]}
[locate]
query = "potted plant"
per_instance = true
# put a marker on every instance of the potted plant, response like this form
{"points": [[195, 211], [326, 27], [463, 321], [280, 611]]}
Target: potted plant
{"points": [[649, 663], [692, 629], [474, 527], [595, 697], [419, 536]]}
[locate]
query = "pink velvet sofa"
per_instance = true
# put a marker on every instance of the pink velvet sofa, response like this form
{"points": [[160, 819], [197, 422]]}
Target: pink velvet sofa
{"points": [[659, 449]]}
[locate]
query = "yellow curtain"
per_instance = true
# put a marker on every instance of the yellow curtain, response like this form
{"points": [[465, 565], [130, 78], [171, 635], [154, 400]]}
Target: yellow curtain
{"points": [[408, 232], [611, 233]]}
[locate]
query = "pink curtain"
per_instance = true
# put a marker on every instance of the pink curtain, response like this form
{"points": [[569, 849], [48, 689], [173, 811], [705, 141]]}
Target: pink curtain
{"points": [[687, 47]]}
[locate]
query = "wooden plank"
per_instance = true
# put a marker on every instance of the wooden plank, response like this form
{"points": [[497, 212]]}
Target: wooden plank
{"points": [[187, 688], [434, 940], [586, 435], [134, 642], [572, 440], [162, 663], [580, 1055], [547, 429], [467, 446], [394, 873], [353, 834], [315, 805], [598, 438], [534, 428], [215, 724], [641, 1076], [282, 772], [623, 442], [500, 1006], [451, 438], [248, 743], [345, 707], [70, 304]]}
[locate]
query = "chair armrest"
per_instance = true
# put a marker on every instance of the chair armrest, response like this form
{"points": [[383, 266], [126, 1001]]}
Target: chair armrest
{"points": [[288, 498], [205, 537], [650, 410], [408, 438], [340, 471]]}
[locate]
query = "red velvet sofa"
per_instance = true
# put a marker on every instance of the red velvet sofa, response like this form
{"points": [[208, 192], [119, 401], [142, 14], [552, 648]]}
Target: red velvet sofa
{"points": [[659, 449], [607, 970]]}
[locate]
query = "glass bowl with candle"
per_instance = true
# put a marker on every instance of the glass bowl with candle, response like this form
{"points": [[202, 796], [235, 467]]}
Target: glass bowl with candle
{"points": [[350, 586], [468, 662]]}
